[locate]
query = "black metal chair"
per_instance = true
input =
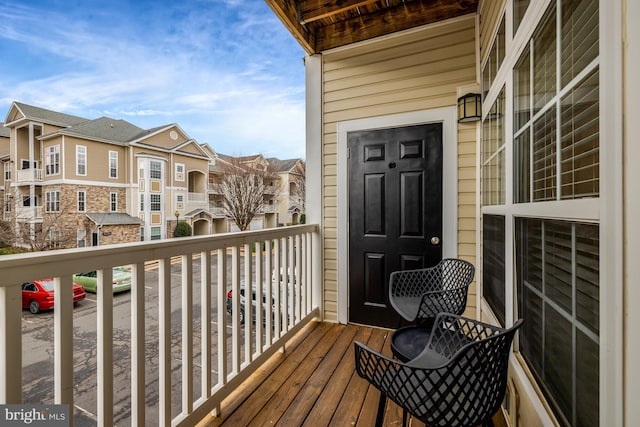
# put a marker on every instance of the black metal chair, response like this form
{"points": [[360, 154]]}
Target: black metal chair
{"points": [[419, 295], [459, 379]]}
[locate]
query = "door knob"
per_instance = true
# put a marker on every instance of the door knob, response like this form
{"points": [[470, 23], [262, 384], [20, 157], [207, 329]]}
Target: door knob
{"points": [[435, 240]]}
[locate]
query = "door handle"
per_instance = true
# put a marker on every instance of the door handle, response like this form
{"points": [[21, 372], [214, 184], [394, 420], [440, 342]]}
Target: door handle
{"points": [[435, 240]]}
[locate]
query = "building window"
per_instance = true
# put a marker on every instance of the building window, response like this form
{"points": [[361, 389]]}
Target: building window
{"points": [[155, 169], [52, 160], [142, 234], [556, 138], [558, 298], [519, 9], [113, 202], [494, 59], [81, 160], [156, 203], [179, 172], [113, 164], [141, 202], [82, 201], [52, 201], [81, 237], [493, 157], [156, 233], [7, 171], [493, 267]]}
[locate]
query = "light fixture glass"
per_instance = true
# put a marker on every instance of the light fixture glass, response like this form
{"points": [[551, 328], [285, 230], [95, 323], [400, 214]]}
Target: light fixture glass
{"points": [[469, 108]]}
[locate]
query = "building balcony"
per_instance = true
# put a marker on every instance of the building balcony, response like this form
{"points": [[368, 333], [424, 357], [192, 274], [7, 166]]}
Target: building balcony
{"points": [[175, 353], [29, 213], [197, 197], [28, 176], [217, 211]]}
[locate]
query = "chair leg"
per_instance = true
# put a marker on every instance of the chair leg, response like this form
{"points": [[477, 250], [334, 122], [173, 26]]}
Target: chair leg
{"points": [[404, 418], [381, 405]]}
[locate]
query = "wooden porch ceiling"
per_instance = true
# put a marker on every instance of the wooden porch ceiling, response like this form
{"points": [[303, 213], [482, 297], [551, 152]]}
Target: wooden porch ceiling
{"points": [[319, 25]]}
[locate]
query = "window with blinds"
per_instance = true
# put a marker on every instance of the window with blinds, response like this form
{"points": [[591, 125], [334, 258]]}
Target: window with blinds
{"points": [[556, 129], [519, 9], [558, 298], [493, 254], [493, 157], [494, 59]]}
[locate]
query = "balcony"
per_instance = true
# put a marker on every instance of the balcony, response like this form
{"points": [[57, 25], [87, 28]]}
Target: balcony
{"points": [[174, 334], [29, 213], [196, 197], [29, 176]]}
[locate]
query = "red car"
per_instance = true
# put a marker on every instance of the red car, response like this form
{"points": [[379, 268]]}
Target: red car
{"points": [[38, 295]]}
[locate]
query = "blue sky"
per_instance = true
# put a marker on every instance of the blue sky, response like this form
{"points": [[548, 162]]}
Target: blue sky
{"points": [[227, 71]]}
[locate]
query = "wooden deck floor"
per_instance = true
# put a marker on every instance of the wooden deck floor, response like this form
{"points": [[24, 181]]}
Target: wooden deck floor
{"points": [[313, 383]]}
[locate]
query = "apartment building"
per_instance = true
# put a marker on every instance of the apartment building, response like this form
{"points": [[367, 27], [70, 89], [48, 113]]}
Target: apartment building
{"points": [[291, 191], [69, 181], [87, 182]]}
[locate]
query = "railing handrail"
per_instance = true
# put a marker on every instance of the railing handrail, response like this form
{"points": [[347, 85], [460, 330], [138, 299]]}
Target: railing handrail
{"points": [[13, 268]]}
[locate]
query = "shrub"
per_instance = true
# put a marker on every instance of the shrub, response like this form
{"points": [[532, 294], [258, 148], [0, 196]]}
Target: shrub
{"points": [[303, 219], [182, 230]]}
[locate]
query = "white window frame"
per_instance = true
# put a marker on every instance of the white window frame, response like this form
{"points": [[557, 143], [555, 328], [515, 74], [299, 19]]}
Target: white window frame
{"points": [[113, 201], [152, 202], [52, 201], [153, 173], [113, 164], [82, 201], [81, 160], [52, 160]]}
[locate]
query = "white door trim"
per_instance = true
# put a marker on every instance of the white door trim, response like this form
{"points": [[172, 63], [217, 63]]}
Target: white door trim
{"points": [[446, 116]]}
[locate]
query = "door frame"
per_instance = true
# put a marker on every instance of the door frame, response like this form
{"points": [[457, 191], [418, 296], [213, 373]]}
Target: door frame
{"points": [[448, 117]]}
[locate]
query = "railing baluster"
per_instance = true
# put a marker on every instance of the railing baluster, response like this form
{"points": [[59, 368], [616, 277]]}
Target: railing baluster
{"points": [[205, 323], [260, 312], [164, 340], [137, 345], [105, 347], [11, 340], [288, 274], [296, 276], [277, 273], [221, 292], [269, 287], [235, 324], [63, 342], [308, 283], [187, 334], [248, 303]]}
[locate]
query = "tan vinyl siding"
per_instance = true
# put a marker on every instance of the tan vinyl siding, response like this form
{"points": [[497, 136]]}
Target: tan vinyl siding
{"points": [[490, 13], [414, 71]]}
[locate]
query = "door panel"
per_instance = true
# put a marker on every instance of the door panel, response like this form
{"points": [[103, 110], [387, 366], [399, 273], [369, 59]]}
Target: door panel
{"points": [[395, 208]]}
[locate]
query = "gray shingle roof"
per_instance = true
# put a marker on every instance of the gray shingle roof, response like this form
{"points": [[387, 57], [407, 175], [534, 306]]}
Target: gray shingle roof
{"points": [[48, 116], [113, 218], [278, 165], [106, 128]]}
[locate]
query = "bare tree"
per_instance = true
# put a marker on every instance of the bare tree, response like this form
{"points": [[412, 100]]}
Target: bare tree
{"points": [[298, 194], [57, 230], [243, 190]]}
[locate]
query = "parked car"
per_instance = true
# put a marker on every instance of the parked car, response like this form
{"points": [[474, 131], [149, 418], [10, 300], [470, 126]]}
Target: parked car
{"points": [[38, 295], [121, 280], [265, 308]]}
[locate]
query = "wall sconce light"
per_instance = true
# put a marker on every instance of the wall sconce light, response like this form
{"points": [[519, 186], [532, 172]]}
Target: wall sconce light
{"points": [[469, 108]]}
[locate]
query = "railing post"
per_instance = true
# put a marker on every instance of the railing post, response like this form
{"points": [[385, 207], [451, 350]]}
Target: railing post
{"points": [[205, 323], [11, 340], [187, 334], [63, 343], [105, 347], [235, 324], [164, 341], [221, 292], [248, 303], [269, 297], [137, 345]]}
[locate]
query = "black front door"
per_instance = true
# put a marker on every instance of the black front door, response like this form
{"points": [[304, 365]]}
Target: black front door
{"points": [[395, 213]]}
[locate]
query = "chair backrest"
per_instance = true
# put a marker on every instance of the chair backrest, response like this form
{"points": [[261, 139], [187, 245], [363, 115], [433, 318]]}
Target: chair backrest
{"points": [[451, 277], [470, 387]]}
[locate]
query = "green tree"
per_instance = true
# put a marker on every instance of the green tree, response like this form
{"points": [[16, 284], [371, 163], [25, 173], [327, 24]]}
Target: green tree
{"points": [[182, 230]]}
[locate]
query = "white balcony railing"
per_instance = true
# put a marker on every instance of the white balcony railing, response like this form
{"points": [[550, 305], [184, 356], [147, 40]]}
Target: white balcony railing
{"points": [[284, 263], [29, 212], [197, 197], [29, 175]]}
